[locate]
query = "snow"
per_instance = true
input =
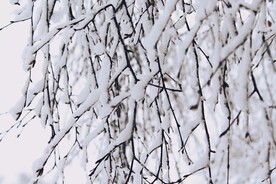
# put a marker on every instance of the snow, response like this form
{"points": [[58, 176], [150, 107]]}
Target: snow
{"points": [[31, 50], [103, 79], [95, 117], [35, 90], [109, 107], [38, 106], [45, 114], [239, 39], [58, 174], [13, 1], [82, 96], [99, 48], [93, 134], [17, 109], [139, 89], [244, 69], [90, 101], [125, 134], [166, 121], [23, 12], [151, 39]]}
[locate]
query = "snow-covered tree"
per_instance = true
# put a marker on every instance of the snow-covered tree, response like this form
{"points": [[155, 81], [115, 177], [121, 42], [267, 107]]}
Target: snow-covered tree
{"points": [[152, 91]]}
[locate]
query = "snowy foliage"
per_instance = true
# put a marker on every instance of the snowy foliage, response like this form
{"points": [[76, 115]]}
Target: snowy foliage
{"points": [[152, 91]]}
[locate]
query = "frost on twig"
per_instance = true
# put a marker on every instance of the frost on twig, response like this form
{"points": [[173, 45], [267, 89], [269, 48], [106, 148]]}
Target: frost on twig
{"points": [[151, 91]]}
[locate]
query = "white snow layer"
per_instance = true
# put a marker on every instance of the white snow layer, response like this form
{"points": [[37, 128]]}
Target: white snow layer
{"points": [[151, 39]]}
